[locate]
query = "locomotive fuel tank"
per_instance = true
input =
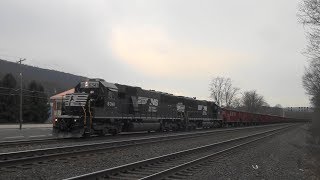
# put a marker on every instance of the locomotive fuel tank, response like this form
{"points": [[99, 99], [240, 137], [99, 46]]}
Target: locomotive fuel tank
{"points": [[144, 126], [208, 124]]}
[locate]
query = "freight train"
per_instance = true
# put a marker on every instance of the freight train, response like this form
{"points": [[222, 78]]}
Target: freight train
{"points": [[102, 108]]}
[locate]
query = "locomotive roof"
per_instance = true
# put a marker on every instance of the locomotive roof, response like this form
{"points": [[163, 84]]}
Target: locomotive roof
{"points": [[114, 87], [96, 79], [110, 86]]}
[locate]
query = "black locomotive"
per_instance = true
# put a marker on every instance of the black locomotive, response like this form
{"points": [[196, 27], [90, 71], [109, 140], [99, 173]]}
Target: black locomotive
{"points": [[99, 107]]}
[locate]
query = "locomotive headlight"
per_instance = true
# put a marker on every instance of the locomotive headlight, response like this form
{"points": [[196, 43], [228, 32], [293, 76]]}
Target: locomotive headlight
{"points": [[56, 120], [75, 120], [86, 84]]}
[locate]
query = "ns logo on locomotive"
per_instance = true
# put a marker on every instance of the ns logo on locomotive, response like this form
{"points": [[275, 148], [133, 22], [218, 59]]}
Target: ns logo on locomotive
{"points": [[99, 107]]}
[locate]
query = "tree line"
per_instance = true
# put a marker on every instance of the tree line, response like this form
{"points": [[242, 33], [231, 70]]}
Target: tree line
{"points": [[35, 101], [309, 17], [225, 94]]}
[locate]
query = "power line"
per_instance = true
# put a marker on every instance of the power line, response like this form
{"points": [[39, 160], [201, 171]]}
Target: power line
{"points": [[24, 93], [1, 87], [10, 94]]}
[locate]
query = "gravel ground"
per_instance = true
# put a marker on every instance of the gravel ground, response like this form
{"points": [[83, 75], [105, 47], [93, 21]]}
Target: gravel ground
{"points": [[94, 162], [283, 156]]}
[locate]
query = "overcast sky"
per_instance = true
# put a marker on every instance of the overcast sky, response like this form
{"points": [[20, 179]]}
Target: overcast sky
{"points": [[175, 46]]}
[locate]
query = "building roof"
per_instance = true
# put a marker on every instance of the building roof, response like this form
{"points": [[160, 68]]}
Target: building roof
{"points": [[60, 95]]}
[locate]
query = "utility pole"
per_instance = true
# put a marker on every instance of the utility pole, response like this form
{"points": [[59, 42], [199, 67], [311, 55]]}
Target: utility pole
{"points": [[20, 121]]}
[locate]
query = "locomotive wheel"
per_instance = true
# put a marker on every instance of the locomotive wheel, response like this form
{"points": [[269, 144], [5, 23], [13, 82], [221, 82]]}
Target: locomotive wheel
{"points": [[104, 132], [113, 132], [86, 135]]}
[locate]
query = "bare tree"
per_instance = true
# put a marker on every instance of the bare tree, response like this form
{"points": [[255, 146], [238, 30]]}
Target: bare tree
{"points": [[222, 91], [309, 16], [216, 87], [278, 106], [252, 101], [229, 93], [236, 103], [277, 110], [311, 82]]}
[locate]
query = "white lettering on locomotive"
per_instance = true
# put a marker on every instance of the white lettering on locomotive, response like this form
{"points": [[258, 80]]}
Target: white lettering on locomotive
{"points": [[154, 102], [144, 100], [152, 109], [181, 107], [202, 108]]}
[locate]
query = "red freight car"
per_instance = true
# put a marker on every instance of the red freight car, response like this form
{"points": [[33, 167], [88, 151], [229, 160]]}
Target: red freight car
{"points": [[232, 117]]}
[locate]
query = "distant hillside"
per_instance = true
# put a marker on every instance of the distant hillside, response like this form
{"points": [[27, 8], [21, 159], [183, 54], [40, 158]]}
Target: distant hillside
{"points": [[53, 81]]}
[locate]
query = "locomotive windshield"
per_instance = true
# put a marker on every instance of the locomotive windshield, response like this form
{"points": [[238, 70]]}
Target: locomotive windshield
{"points": [[88, 87], [89, 84]]}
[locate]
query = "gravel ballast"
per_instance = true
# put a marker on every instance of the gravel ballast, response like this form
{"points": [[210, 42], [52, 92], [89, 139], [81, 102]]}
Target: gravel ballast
{"points": [[278, 157], [91, 162]]}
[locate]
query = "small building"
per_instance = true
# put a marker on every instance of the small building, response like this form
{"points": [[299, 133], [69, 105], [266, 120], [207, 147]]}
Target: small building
{"points": [[299, 112], [299, 109], [56, 103]]}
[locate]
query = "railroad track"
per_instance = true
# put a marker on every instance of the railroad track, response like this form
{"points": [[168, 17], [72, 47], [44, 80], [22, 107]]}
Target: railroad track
{"points": [[17, 143], [178, 165], [28, 157], [32, 142], [28, 142], [21, 143]]}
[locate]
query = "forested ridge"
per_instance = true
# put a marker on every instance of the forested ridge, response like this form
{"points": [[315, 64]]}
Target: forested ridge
{"points": [[52, 81], [38, 85]]}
